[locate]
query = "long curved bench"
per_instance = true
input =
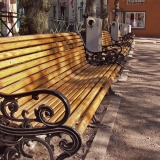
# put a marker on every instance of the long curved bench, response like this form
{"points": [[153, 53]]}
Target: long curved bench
{"points": [[48, 88]]}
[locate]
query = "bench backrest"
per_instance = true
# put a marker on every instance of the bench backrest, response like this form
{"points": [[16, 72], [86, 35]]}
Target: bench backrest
{"points": [[34, 61], [106, 38]]}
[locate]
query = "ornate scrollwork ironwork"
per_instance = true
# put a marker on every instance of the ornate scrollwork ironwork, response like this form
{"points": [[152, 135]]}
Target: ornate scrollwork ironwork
{"points": [[106, 56], [111, 57], [9, 106], [16, 137], [68, 147]]}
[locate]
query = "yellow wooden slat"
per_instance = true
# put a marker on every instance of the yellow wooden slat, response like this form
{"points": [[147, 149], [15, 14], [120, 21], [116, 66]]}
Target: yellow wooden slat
{"points": [[32, 63], [66, 83], [19, 52], [65, 90], [39, 78], [41, 68], [54, 84], [34, 56], [79, 90], [31, 105], [28, 43], [32, 37], [84, 105], [82, 92], [94, 106]]}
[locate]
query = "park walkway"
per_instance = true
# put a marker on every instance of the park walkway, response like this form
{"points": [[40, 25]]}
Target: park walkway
{"points": [[132, 118]]}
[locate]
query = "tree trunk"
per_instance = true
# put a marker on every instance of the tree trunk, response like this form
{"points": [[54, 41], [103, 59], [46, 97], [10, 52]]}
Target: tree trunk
{"points": [[36, 17], [105, 14], [90, 10], [116, 18], [85, 15]]}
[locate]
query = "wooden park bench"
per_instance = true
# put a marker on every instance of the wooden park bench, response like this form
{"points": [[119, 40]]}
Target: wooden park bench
{"points": [[48, 89], [123, 46]]}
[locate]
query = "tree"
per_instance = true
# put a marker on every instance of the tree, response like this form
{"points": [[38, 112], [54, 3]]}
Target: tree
{"points": [[90, 10], [116, 18], [36, 16], [105, 14]]}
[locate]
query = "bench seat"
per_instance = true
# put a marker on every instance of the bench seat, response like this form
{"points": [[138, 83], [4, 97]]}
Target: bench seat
{"points": [[47, 87]]}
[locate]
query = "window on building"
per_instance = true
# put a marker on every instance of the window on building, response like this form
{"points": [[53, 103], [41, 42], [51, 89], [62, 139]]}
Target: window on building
{"points": [[63, 4], [54, 12], [81, 14], [135, 1], [135, 19]]}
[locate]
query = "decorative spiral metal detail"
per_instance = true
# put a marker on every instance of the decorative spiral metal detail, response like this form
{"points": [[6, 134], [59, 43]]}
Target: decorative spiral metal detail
{"points": [[68, 147], [10, 103], [24, 133]]}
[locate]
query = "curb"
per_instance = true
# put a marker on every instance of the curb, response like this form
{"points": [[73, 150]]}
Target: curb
{"points": [[99, 145]]}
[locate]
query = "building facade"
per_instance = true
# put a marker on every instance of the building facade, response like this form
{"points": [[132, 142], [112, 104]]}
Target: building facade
{"points": [[67, 9], [142, 15], [9, 17]]}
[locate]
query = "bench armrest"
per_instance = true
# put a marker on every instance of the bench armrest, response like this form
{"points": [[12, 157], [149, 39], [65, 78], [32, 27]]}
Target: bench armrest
{"points": [[22, 133], [105, 56], [10, 104]]}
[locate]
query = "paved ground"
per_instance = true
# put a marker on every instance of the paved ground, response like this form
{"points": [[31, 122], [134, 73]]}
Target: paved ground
{"points": [[133, 114]]}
